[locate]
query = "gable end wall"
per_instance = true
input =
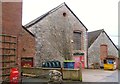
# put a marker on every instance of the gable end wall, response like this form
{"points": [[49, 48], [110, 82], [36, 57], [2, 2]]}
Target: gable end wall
{"points": [[55, 20], [94, 49]]}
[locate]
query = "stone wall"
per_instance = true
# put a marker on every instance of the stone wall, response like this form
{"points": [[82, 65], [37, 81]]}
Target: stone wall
{"points": [[54, 35], [68, 74]]}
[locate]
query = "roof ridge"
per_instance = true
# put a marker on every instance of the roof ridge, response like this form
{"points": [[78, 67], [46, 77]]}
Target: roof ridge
{"points": [[93, 35], [96, 30]]}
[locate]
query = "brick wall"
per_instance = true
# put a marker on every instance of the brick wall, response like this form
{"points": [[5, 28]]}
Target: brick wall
{"points": [[12, 25], [12, 21], [28, 44], [11, 18]]}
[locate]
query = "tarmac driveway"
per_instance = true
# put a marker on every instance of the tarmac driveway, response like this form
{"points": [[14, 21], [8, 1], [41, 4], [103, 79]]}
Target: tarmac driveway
{"points": [[99, 75], [89, 76]]}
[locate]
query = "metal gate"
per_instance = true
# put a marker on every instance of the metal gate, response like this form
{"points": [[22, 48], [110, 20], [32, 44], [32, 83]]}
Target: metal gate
{"points": [[8, 45]]}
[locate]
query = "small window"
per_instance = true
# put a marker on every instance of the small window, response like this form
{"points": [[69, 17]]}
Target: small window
{"points": [[64, 14], [77, 40], [27, 62]]}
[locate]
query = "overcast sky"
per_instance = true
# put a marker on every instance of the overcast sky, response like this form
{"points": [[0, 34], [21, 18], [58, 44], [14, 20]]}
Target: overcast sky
{"points": [[94, 14]]}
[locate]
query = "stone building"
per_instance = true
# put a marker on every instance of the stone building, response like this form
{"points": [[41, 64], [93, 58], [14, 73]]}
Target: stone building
{"points": [[58, 33], [100, 46]]}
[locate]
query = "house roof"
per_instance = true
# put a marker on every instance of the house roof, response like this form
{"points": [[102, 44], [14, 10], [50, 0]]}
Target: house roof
{"points": [[51, 11], [92, 36]]}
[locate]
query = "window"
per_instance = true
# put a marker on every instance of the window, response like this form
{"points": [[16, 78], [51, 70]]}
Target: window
{"points": [[77, 40], [27, 62], [64, 14]]}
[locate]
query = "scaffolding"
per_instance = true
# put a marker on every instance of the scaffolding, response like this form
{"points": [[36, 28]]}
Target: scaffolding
{"points": [[8, 45]]}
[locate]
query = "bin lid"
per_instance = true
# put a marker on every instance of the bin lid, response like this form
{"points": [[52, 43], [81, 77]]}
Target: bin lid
{"points": [[69, 61]]}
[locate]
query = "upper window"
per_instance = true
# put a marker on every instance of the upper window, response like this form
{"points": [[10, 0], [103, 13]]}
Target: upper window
{"points": [[77, 40], [64, 14]]}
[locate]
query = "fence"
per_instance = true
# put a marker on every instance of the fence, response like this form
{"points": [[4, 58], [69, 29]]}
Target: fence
{"points": [[68, 74], [8, 45]]}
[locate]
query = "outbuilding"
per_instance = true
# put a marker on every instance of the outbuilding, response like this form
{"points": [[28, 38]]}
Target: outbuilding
{"points": [[59, 35], [100, 47]]}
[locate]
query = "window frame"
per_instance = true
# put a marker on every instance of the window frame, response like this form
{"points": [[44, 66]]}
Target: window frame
{"points": [[74, 45]]}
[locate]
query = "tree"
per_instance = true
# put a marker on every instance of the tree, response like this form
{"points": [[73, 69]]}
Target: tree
{"points": [[60, 40]]}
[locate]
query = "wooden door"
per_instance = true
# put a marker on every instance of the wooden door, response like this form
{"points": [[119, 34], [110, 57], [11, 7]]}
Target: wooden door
{"points": [[103, 51]]}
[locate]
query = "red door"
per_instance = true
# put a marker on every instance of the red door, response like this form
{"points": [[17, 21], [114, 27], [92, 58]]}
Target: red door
{"points": [[79, 60]]}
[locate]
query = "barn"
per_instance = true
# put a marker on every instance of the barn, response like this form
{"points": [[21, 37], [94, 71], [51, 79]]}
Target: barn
{"points": [[100, 46], [59, 35]]}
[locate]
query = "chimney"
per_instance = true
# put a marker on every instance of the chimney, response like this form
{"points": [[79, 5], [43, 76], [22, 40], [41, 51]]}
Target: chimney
{"points": [[11, 17], [11, 25]]}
